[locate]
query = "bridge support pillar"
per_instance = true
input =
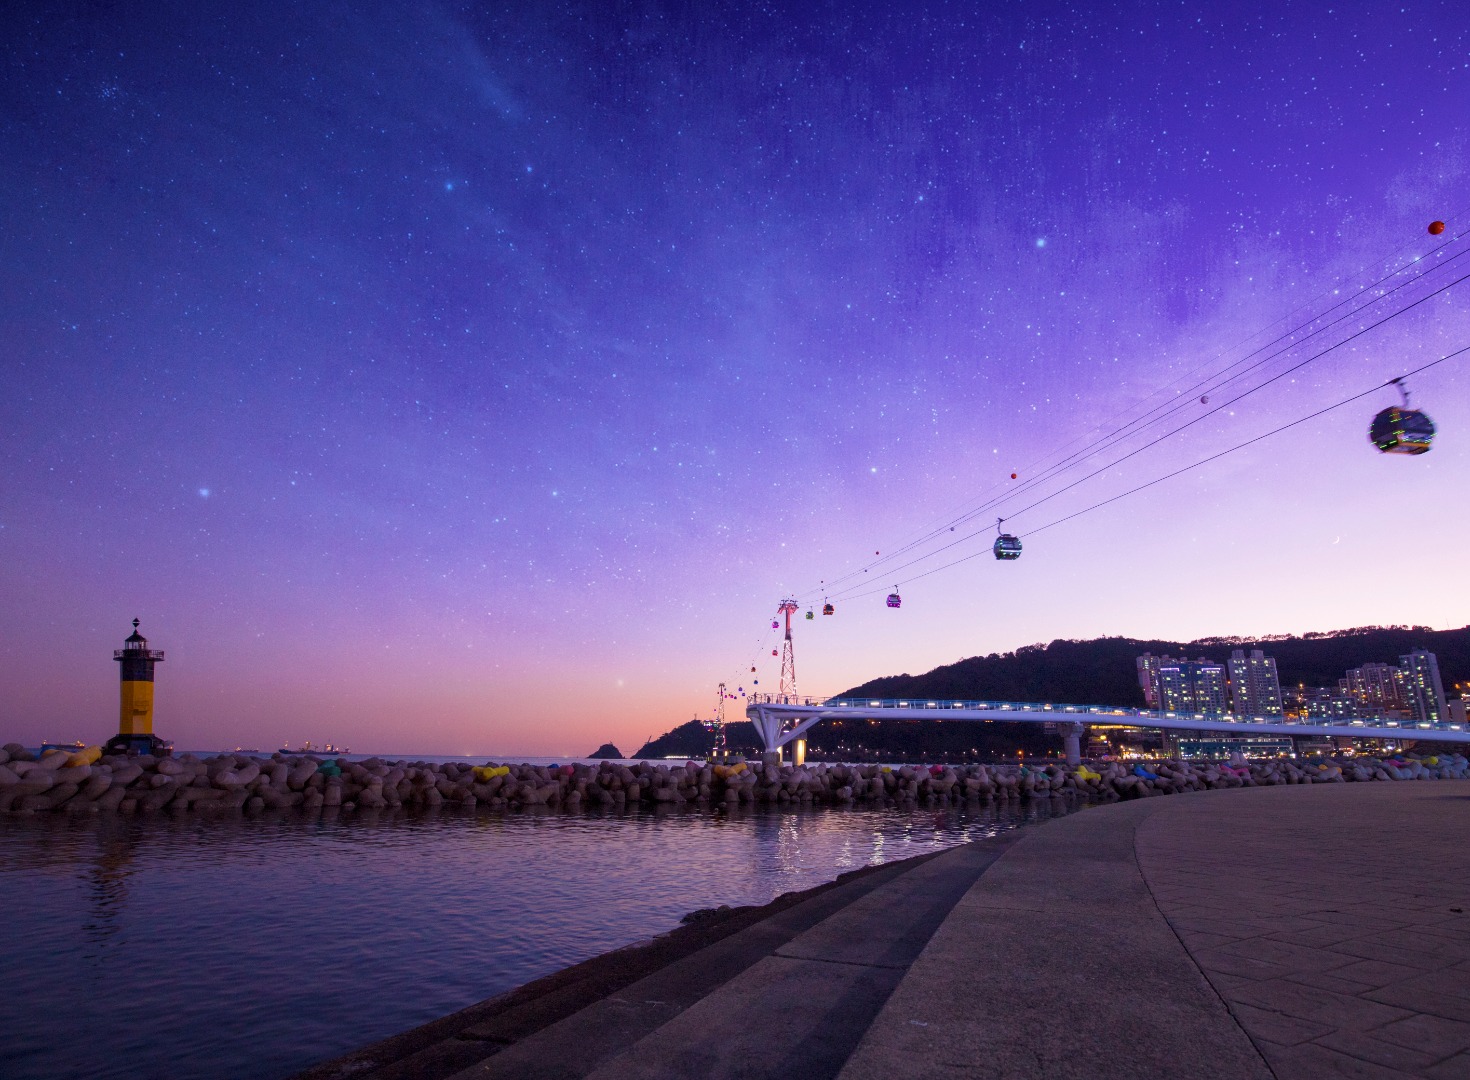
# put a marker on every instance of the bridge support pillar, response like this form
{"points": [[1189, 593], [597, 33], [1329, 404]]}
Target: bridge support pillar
{"points": [[768, 727], [1072, 741]]}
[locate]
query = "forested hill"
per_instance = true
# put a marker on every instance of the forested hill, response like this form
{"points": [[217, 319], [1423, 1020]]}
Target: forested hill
{"points": [[1102, 671]]}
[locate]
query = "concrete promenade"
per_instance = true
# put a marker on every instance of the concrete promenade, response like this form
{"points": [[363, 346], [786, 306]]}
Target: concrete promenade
{"points": [[1295, 932]]}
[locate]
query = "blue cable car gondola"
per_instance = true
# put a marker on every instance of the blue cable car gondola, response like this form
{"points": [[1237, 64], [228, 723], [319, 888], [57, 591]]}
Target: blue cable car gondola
{"points": [[1006, 546], [1403, 430], [810, 615], [894, 600]]}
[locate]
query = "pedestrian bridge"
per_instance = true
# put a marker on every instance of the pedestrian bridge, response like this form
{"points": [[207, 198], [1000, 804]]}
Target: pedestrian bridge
{"points": [[780, 718]]}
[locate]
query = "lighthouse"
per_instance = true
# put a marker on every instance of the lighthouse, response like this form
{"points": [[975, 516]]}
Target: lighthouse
{"points": [[135, 709]]}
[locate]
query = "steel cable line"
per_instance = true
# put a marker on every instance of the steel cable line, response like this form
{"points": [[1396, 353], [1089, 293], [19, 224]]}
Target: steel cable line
{"points": [[760, 649], [1250, 442], [846, 594], [1113, 437], [1178, 472], [1116, 435], [1122, 434], [1248, 392]]}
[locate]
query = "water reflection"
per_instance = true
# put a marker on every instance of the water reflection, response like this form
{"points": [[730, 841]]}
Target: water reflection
{"points": [[107, 881], [288, 940]]}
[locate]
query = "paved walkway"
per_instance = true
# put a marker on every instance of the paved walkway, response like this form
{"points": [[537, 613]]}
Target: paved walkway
{"points": [[1333, 920], [1295, 932]]}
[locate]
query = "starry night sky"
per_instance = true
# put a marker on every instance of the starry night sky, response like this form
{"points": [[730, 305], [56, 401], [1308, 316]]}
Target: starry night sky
{"points": [[469, 379]]}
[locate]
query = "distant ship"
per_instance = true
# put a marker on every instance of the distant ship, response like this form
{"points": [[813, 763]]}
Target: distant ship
{"points": [[78, 745], [324, 750]]}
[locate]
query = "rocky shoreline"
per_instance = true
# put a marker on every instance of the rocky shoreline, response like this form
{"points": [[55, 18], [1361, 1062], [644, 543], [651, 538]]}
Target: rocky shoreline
{"points": [[86, 781]]}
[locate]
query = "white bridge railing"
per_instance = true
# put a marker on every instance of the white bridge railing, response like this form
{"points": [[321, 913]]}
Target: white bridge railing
{"points": [[791, 706]]}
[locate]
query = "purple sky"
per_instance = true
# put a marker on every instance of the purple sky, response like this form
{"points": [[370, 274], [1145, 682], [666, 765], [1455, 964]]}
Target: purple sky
{"points": [[438, 378]]}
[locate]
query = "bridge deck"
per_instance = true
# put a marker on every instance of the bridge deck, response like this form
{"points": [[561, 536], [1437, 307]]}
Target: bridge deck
{"points": [[782, 719]]}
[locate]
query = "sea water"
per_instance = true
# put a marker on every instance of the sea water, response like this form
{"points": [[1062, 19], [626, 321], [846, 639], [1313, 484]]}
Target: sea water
{"points": [[210, 946]]}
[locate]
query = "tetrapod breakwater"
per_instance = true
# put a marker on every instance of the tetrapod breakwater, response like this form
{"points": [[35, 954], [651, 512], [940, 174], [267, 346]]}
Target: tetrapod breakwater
{"points": [[88, 781]]}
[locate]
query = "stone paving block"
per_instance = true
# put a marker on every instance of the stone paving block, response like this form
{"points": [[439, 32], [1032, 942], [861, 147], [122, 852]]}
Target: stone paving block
{"points": [[1456, 1068], [1329, 980], [1446, 920], [1240, 929], [1311, 1061], [1432, 1034], [1376, 973], [1288, 955], [1243, 966], [1318, 935], [1223, 982], [1278, 1027], [1446, 947], [1366, 1046], [1195, 940], [1289, 925], [1441, 993], [1312, 1003], [1431, 905], [1374, 948], [1357, 924]]}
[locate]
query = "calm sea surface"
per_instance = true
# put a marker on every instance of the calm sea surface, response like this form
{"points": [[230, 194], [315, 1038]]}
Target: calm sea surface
{"points": [[204, 947]]}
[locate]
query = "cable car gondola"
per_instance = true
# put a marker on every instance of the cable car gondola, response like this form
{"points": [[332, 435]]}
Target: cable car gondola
{"points": [[1401, 430], [810, 615], [828, 609], [894, 600], [1006, 546]]}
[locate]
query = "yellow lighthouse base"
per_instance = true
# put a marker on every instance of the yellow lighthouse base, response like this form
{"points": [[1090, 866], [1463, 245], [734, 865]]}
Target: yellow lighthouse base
{"points": [[135, 716]]}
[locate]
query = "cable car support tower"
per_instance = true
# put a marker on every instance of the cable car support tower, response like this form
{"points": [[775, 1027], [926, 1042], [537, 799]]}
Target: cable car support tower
{"points": [[715, 725], [787, 691]]}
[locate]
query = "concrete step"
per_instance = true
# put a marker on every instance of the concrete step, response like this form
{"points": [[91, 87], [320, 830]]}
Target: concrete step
{"points": [[801, 1010], [825, 965]]}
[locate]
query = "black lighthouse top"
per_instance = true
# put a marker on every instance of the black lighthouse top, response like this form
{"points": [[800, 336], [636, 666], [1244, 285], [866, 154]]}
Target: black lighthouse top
{"points": [[136, 648]]}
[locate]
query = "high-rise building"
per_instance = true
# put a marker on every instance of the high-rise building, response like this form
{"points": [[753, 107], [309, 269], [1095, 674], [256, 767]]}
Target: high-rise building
{"points": [[1328, 703], [1377, 689], [1423, 688], [1192, 686], [1255, 689], [1148, 677]]}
